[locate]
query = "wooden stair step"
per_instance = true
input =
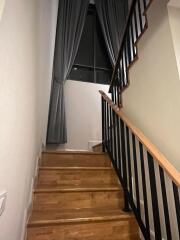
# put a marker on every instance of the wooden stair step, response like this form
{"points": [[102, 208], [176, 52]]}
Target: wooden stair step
{"points": [[61, 216], [75, 159], [76, 199], [76, 177], [103, 230]]}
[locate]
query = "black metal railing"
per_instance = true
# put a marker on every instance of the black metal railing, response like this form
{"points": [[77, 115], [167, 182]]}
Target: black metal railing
{"points": [[151, 185], [136, 24]]}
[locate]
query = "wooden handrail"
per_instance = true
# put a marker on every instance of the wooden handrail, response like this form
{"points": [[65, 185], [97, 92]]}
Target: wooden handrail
{"points": [[156, 154]]}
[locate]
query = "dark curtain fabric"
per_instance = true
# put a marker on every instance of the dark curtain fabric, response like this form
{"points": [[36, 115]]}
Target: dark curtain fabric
{"points": [[112, 16], [70, 23]]}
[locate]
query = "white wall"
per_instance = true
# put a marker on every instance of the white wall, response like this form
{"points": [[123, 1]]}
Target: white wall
{"points": [[46, 22], [23, 109], [152, 100], [83, 113]]}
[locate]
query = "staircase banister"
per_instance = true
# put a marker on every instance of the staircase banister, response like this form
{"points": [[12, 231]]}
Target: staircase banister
{"points": [[123, 39], [157, 155]]}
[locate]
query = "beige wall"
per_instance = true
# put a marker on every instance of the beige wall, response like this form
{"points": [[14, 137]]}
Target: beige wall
{"points": [[22, 109], [152, 101]]}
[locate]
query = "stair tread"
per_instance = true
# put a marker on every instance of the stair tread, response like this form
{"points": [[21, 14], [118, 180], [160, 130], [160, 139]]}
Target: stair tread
{"points": [[102, 230], [59, 216]]}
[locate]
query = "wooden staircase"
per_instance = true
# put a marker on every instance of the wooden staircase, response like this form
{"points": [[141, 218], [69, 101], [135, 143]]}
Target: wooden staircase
{"points": [[78, 197]]}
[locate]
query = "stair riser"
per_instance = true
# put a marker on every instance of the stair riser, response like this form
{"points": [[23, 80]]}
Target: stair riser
{"points": [[76, 177], [79, 160], [78, 200], [114, 230]]}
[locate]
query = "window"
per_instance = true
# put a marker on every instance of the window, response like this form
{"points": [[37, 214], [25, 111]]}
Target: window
{"points": [[92, 62]]}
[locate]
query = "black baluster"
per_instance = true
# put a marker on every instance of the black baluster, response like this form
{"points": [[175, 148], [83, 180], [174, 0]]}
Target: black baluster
{"points": [[144, 2], [124, 167], [126, 52], [129, 42], [121, 73], [108, 129], [103, 124], [111, 134], [129, 161], [118, 97], [154, 197], [146, 213], [165, 204], [123, 70], [136, 174], [112, 93], [115, 92], [119, 144], [135, 24], [140, 16], [115, 137], [177, 205], [133, 42]]}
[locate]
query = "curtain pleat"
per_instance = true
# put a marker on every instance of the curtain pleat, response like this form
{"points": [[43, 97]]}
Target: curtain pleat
{"points": [[112, 16], [70, 23]]}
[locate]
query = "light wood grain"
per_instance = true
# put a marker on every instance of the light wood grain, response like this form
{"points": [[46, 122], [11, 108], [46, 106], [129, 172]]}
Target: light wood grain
{"points": [[76, 200], [62, 216], [75, 160], [76, 177], [86, 199], [157, 155], [111, 230]]}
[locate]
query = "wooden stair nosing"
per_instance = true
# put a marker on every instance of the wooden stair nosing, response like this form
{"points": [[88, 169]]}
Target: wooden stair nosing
{"points": [[78, 189], [75, 168], [38, 223], [73, 152]]}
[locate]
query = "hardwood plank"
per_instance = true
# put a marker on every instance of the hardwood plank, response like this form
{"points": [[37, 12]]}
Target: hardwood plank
{"points": [[113, 230], [76, 177], [51, 217], [88, 199], [77, 160], [78, 196]]}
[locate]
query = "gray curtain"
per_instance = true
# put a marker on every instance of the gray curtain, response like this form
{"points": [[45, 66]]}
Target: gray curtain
{"points": [[70, 23], [112, 16]]}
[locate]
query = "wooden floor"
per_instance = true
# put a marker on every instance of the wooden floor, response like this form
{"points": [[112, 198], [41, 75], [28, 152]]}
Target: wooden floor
{"points": [[78, 197]]}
